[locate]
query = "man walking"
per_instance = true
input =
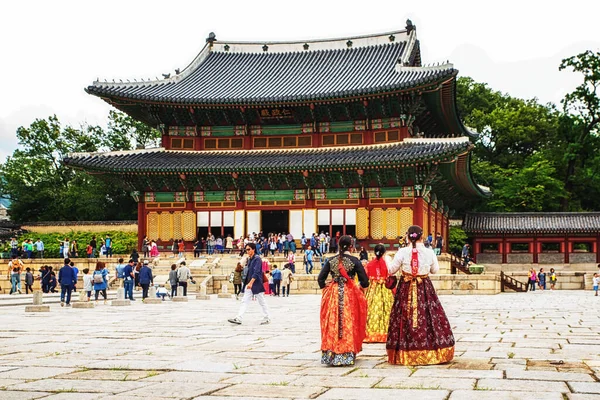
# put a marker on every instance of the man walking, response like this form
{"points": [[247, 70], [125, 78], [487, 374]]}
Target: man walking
{"points": [[276, 273], [128, 280], [66, 277], [108, 244], [439, 243], [254, 287], [183, 274], [146, 279], [39, 246]]}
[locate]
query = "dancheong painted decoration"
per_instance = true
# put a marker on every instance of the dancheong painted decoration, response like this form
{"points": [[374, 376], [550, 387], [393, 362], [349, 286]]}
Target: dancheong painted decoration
{"points": [[352, 135]]}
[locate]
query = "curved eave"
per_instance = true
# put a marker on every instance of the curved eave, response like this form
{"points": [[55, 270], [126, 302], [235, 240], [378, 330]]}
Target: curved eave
{"points": [[460, 172]]}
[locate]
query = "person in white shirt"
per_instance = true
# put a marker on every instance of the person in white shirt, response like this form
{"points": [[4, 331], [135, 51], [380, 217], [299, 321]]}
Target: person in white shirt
{"points": [[419, 332]]}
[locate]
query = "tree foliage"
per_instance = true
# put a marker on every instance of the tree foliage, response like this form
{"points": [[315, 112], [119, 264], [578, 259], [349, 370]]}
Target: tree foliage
{"points": [[42, 188]]}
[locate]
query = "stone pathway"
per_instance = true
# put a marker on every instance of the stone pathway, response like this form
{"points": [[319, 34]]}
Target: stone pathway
{"points": [[510, 346]]}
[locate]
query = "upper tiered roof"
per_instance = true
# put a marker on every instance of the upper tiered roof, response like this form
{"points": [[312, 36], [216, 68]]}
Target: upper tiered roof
{"points": [[271, 72]]}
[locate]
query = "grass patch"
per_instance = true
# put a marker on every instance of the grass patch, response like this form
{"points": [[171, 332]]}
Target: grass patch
{"points": [[511, 355], [71, 390], [412, 369], [150, 374], [236, 366], [115, 368], [282, 383]]}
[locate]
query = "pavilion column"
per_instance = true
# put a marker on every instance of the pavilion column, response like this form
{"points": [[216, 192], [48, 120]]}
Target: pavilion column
{"points": [[567, 247], [506, 246], [418, 212], [598, 249], [141, 224], [535, 250], [476, 249]]}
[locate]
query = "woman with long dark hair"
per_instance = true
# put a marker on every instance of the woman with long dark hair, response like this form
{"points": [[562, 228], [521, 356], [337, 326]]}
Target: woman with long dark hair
{"points": [[379, 298], [343, 307], [419, 331]]}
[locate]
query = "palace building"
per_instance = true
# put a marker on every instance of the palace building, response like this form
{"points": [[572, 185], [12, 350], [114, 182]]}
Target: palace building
{"points": [[352, 135]]}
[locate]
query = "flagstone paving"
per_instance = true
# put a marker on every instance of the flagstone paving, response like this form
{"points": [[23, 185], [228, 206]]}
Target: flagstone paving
{"points": [[509, 346]]}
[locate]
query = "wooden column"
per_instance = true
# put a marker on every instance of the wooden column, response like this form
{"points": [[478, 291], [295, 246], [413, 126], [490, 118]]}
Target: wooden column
{"points": [[141, 223], [598, 249], [418, 212], [506, 246], [566, 245], [535, 250], [475, 249]]}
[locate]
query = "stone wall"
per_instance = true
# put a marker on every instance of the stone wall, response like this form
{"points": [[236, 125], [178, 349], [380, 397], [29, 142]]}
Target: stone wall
{"points": [[519, 258], [466, 284], [489, 258], [582, 258], [551, 258]]}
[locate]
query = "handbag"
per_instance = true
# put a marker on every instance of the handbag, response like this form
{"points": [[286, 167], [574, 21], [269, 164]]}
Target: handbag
{"points": [[391, 282]]}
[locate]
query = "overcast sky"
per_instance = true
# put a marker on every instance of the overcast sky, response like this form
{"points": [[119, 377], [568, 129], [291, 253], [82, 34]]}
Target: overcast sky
{"points": [[51, 50]]}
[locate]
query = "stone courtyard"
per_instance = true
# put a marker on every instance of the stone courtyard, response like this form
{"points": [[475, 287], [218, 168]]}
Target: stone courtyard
{"points": [[540, 345]]}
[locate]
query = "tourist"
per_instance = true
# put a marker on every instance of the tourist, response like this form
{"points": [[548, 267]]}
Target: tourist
{"points": [[210, 244], [237, 280], [532, 279], [240, 245], [287, 276], [197, 248], [595, 283], [76, 273], [541, 279], [465, 254], [419, 332], [286, 247], [183, 275], [39, 247], [74, 249], [161, 292], [343, 307], [100, 279], [14, 247], [219, 245], [429, 239], [380, 299], [253, 284], [552, 279], [135, 256], [154, 249], [181, 249], [291, 259], [14, 274], [229, 244], [53, 282], [28, 248], [108, 244], [303, 242], [439, 243], [273, 246], [28, 281], [173, 280], [66, 277], [88, 284], [119, 272], [93, 246], [363, 255], [128, 279], [102, 249], [89, 251], [146, 246], [146, 279], [136, 275], [45, 278], [276, 273], [308, 260], [269, 287]]}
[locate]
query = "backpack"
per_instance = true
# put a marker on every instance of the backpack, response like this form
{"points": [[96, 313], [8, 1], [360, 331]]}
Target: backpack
{"points": [[98, 278]]}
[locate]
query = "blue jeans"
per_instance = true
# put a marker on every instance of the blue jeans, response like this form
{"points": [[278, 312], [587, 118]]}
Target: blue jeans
{"points": [[109, 251], [209, 249], [128, 286], [309, 269], [65, 289]]}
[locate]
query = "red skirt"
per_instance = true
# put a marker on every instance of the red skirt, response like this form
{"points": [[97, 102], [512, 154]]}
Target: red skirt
{"points": [[419, 332], [343, 323]]}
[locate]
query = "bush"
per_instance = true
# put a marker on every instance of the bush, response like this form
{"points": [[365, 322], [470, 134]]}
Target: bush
{"points": [[457, 239], [123, 242]]}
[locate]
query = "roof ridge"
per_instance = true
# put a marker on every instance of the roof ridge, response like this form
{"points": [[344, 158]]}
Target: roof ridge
{"points": [[116, 152]]}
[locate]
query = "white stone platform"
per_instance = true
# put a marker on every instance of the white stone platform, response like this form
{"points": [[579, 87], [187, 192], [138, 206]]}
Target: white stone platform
{"points": [[541, 345]]}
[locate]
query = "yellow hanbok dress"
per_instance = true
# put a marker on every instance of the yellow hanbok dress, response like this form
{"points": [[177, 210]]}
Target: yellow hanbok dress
{"points": [[379, 302]]}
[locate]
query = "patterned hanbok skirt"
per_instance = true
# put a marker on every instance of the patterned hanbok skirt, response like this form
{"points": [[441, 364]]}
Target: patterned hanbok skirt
{"points": [[419, 332], [343, 322], [379, 306]]}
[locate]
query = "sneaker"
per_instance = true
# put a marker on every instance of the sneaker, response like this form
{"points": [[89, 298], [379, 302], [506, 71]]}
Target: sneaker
{"points": [[265, 321], [62, 303], [235, 320], [68, 305]]}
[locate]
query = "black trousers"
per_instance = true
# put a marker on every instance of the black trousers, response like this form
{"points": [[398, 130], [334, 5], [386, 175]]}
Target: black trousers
{"points": [[277, 285], [184, 286], [237, 288], [103, 291], [145, 287]]}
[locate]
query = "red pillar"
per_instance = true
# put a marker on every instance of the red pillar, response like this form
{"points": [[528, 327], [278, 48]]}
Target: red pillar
{"points": [[598, 249], [141, 223], [476, 249], [536, 250], [418, 212], [567, 247]]}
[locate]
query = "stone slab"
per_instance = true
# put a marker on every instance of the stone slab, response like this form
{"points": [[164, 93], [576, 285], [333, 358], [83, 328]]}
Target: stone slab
{"points": [[426, 383], [493, 395], [585, 387], [383, 394], [37, 308], [549, 376], [153, 300], [202, 297], [87, 304], [522, 385], [180, 299], [169, 390], [35, 373], [225, 296], [120, 303], [19, 395], [273, 391]]}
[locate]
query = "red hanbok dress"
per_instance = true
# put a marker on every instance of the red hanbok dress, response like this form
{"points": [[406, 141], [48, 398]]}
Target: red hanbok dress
{"points": [[343, 310]]}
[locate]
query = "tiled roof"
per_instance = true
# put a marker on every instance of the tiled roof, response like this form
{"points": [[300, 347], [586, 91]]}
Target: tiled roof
{"points": [[532, 223], [280, 160], [250, 73]]}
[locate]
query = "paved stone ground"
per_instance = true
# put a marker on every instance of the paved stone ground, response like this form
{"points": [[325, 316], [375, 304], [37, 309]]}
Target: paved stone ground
{"points": [[509, 346]]}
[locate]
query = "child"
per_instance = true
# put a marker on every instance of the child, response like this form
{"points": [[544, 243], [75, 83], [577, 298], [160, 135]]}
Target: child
{"points": [[552, 278], [28, 281], [596, 281], [162, 292], [271, 284], [87, 283]]}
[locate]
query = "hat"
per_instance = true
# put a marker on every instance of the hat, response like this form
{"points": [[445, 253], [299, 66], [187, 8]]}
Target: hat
{"points": [[145, 262]]}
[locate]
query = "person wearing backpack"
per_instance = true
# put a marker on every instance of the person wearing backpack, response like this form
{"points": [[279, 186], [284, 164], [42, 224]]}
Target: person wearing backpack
{"points": [[100, 279]]}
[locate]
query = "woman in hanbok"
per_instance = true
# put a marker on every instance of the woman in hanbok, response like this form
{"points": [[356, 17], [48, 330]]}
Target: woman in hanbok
{"points": [[153, 249], [419, 331], [379, 298], [343, 307]]}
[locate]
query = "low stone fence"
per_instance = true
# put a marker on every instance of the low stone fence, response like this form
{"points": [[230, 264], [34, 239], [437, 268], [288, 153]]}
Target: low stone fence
{"points": [[564, 280], [87, 226]]}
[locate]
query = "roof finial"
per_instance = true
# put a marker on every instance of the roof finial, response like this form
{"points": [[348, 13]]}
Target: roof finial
{"points": [[265, 48], [211, 38], [177, 71], [409, 26], [166, 76]]}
